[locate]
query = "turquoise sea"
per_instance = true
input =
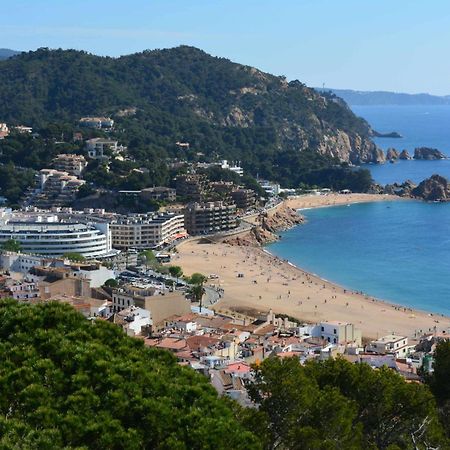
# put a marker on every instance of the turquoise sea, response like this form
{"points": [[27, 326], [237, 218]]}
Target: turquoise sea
{"points": [[397, 251]]}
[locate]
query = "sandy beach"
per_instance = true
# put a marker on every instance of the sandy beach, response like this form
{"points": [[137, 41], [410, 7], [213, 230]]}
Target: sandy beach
{"points": [[270, 283]]}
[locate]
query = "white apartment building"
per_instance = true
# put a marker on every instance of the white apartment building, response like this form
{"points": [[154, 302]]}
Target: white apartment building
{"points": [[46, 236], [70, 163], [234, 167], [390, 344], [99, 148], [144, 231], [96, 122], [336, 332]]}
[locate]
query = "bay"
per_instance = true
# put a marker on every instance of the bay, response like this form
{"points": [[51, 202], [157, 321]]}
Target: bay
{"points": [[396, 251]]}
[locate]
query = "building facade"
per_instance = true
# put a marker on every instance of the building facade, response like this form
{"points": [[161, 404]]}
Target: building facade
{"points": [[54, 188], [70, 163], [390, 344], [52, 238], [96, 122], [192, 186], [99, 148], [159, 193], [145, 231], [244, 198], [210, 217]]}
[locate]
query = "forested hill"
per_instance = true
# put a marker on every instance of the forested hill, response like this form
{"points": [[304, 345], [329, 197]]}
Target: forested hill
{"points": [[183, 93]]}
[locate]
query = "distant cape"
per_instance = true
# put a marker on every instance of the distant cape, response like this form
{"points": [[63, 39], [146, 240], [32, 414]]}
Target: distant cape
{"points": [[366, 98], [6, 53]]}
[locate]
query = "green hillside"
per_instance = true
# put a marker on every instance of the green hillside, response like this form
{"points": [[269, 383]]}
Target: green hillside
{"points": [[221, 108]]}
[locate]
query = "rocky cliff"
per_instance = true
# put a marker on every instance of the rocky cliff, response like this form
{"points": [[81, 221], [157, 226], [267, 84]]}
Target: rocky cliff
{"points": [[350, 148]]}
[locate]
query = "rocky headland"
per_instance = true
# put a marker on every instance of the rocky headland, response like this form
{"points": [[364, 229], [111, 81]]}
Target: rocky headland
{"points": [[268, 225]]}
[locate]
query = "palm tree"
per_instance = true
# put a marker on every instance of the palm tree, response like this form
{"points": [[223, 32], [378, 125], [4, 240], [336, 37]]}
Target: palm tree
{"points": [[197, 291]]}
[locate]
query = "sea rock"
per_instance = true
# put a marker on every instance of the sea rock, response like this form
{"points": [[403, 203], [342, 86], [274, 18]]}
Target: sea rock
{"points": [[392, 134], [405, 155], [428, 153], [391, 154], [403, 190], [435, 188]]}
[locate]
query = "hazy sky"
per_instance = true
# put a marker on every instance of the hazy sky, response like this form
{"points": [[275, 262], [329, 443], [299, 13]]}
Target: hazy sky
{"points": [[396, 45]]}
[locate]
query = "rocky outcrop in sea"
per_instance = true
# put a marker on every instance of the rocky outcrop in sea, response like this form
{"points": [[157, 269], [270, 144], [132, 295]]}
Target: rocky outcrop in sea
{"points": [[435, 188], [392, 154], [427, 153], [404, 155], [401, 189]]}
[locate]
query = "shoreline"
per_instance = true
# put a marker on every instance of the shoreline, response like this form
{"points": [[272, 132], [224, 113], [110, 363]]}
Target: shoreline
{"points": [[270, 282], [350, 290]]}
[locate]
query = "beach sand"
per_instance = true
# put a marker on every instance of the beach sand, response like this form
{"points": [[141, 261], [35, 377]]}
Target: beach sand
{"points": [[270, 283]]}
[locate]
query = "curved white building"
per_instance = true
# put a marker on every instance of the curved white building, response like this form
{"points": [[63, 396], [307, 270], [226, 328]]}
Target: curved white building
{"points": [[57, 238]]}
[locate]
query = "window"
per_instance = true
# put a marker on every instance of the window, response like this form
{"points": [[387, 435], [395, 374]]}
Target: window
{"points": [[323, 329], [334, 331]]}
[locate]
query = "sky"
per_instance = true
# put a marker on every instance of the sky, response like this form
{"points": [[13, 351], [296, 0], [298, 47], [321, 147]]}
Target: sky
{"points": [[393, 45]]}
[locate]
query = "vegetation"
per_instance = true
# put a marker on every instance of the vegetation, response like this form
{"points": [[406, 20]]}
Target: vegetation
{"points": [[339, 405], [439, 382], [197, 290], [176, 271], [14, 181], [223, 109], [70, 383], [12, 245], [74, 256], [112, 283], [148, 258]]}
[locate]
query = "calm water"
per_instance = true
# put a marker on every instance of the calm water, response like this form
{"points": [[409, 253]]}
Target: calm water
{"points": [[420, 126], [398, 251]]}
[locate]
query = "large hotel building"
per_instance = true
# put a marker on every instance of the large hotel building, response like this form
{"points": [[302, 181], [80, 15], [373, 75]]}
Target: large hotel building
{"points": [[46, 235]]}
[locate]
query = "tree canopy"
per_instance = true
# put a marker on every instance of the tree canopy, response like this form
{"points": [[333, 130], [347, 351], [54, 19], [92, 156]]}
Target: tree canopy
{"points": [[12, 245], [335, 404], [74, 256], [67, 382]]}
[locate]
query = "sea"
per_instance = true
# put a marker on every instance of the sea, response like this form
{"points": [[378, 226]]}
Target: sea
{"points": [[420, 126], [397, 251]]}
